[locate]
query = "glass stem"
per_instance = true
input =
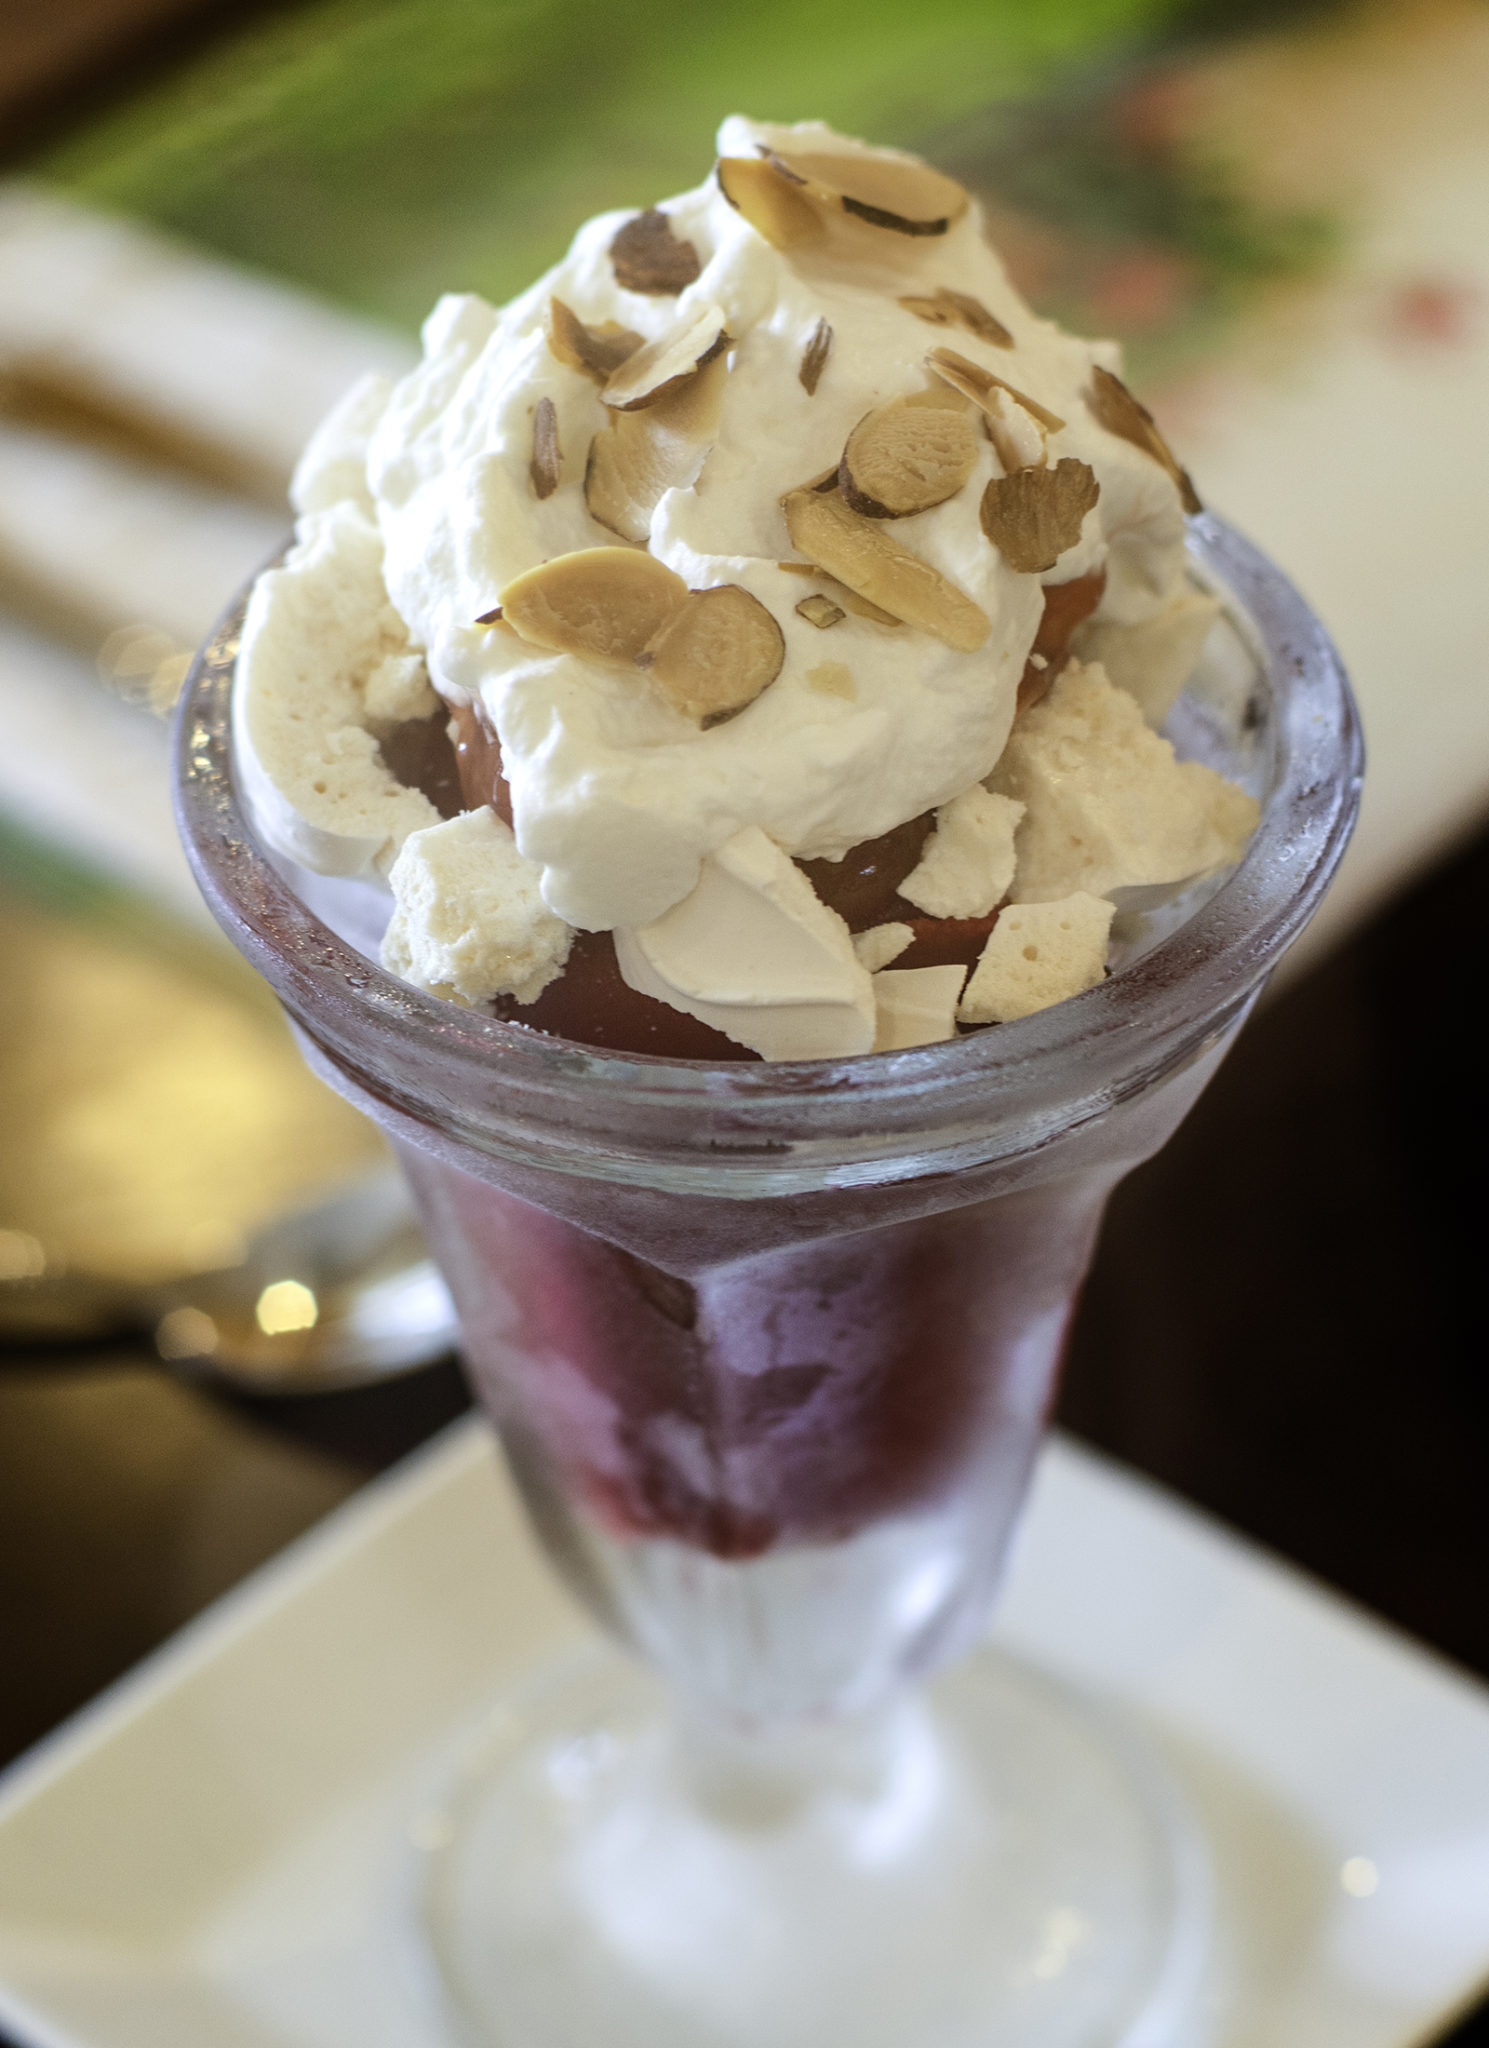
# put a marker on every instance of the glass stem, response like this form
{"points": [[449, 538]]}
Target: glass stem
{"points": [[760, 1775]]}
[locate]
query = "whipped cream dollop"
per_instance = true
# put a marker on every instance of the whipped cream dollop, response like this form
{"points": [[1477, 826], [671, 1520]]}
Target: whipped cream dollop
{"points": [[850, 465]]}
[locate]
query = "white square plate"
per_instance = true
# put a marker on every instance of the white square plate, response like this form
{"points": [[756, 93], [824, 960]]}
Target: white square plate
{"points": [[216, 1853]]}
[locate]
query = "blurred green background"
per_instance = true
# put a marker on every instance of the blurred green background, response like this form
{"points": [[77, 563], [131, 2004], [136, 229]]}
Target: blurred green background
{"points": [[385, 150]]}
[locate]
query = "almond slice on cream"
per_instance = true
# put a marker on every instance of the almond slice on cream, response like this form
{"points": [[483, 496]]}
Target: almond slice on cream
{"points": [[1032, 516], [715, 653], [663, 366], [898, 193], [840, 594], [946, 308], [604, 604], [636, 456], [775, 206], [597, 351], [647, 256], [976, 383], [1018, 439], [1114, 406], [819, 610], [547, 457], [881, 569], [907, 457], [814, 358]]}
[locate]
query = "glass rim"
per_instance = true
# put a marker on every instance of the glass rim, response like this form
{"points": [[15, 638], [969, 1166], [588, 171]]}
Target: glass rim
{"points": [[487, 1081]]}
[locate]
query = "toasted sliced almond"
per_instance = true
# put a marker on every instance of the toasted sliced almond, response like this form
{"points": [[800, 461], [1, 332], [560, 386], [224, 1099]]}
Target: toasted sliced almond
{"points": [[1033, 515], [946, 308], [647, 257], [860, 553], [1018, 438], [715, 653], [597, 351], [547, 460], [636, 456], [814, 358], [976, 383], [624, 476], [905, 457], [839, 593], [899, 193], [1120, 413], [820, 611], [774, 205], [663, 366], [495, 623], [603, 603], [936, 393]]}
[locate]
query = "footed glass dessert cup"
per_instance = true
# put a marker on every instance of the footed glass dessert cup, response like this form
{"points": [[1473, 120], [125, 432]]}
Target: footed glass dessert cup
{"points": [[770, 1349]]}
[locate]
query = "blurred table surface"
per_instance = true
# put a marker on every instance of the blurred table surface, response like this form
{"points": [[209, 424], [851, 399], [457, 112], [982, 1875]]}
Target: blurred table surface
{"points": [[1286, 1319]]}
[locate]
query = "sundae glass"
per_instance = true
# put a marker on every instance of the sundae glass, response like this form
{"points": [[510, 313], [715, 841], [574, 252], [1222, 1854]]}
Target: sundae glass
{"points": [[769, 1345]]}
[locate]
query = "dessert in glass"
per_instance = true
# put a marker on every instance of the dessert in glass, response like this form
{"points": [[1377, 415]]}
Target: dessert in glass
{"points": [[760, 776]]}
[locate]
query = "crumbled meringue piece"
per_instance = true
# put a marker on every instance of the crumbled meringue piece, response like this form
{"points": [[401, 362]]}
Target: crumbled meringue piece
{"points": [[1153, 659], [916, 1006], [468, 922], [1108, 805], [882, 943], [968, 860], [399, 688], [1038, 954], [315, 631], [755, 953]]}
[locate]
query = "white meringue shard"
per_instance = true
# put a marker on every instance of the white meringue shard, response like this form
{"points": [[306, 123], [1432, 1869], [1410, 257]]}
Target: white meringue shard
{"points": [[1153, 659], [968, 860], [1038, 954], [752, 951], [468, 922], [316, 631], [882, 943], [1108, 806], [916, 1006]]}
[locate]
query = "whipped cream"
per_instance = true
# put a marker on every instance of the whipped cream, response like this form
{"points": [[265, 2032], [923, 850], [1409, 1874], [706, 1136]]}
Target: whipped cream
{"points": [[872, 686], [614, 795]]}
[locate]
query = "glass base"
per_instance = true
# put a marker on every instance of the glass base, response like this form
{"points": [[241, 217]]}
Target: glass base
{"points": [[990, 1862]]}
